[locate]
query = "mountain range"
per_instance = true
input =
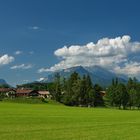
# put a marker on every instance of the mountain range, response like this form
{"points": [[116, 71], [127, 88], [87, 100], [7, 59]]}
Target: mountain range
{"points": [[3, 82], [98, 75]]}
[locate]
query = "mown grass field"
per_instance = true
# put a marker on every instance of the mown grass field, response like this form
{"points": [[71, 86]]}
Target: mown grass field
{"points": [[58, 122]]}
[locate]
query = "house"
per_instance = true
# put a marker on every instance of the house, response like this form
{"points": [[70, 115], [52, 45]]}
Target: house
{"points": [[102, 93], [26, 93], [23, 92], [8, 92], [44, 94]]}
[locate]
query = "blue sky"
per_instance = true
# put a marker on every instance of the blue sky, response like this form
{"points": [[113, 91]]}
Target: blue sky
{"points": [[31, 31]]}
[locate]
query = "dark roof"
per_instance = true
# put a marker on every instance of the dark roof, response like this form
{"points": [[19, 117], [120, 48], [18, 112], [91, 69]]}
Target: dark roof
{"points": [[6, 89], [25, 91]]}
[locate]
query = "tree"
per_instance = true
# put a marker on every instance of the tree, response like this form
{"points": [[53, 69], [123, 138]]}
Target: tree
{"points": [[133, 90], [132, 97], [98, 99], [57, 91], [90, 99], [72, 89], [90, 92], [4, 86], [117, 94], [137, 102], [122, 96], [130, 84], [110, 95], [83, 91]]}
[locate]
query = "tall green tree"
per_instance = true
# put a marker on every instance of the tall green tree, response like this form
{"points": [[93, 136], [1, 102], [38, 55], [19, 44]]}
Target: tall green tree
{"points": [[90, 92], [72, 89], [57, 90], [132, 97], [122, 96], [83, 91], [98, 99]]}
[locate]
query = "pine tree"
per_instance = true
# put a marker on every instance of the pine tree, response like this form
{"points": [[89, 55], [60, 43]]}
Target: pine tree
{"points": [[110, 95], [83, 91], [98, 99], [90, 92], [122, 96], [132, 97], [72, 90], [57, 92]]}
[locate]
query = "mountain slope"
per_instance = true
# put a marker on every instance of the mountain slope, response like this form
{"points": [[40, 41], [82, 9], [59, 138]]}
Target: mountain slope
{"points": [[98, 75], [66, 73]]}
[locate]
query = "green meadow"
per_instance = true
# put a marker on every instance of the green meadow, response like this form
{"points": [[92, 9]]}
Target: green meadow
{"points": [[19, 121]]}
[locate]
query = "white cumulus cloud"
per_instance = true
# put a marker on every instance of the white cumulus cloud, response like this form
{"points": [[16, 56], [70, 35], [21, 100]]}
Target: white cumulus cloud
{"points": [[40, 79], [131, 69], [107, 52], [6, 59]]}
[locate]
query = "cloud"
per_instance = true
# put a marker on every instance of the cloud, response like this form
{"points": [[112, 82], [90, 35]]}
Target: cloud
{"points": [[18, 52], [25, 81], [34, 27], [131, 69], [116, 54], [103, 48], [6, 59], [22, 66], [40, 79]]}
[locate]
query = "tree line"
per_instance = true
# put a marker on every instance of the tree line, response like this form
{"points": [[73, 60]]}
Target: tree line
{"points": [[124, 95], [80, 91], [77, 91]]}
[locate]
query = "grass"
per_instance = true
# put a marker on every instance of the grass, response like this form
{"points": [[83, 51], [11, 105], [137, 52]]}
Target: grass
{"points": [[52, 121], [30, 100]]}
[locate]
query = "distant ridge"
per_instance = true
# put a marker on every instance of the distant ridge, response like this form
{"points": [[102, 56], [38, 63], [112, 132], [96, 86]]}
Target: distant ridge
{"points": [[98, 75]]}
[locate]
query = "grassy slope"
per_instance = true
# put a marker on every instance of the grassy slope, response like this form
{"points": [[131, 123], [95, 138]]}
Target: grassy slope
{"points": [[57, 122]]}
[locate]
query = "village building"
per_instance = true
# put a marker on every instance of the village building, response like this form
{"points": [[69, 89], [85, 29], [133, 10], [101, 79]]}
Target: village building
{"points": [[102, 93], [44, 94], [8, 92], [26, 93], [22, 92]]}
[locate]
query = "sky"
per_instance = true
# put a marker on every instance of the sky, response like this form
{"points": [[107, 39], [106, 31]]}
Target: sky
{"points": [[39, 36]]}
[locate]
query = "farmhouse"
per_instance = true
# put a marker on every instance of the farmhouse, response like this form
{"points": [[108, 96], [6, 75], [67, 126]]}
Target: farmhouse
{"points": [[22, 92], [26, 93], [44, 94], [102, 93], [9, 92]]}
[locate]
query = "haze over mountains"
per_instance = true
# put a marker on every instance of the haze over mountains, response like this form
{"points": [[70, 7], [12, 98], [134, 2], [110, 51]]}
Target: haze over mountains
{"points": [[98, 75]]}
